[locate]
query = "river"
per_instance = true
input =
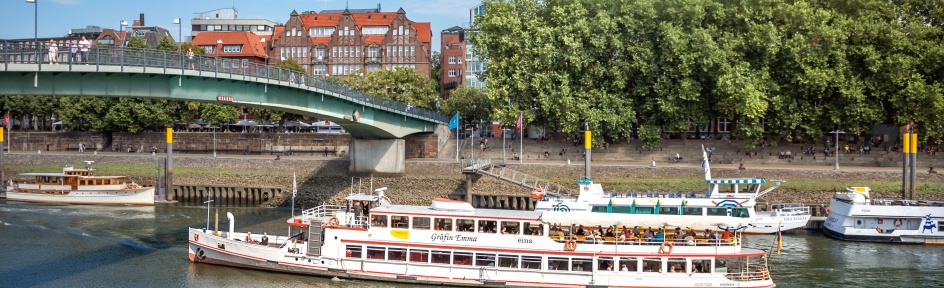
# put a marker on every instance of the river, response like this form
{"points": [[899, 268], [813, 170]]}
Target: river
{"points": [[44, 245]]}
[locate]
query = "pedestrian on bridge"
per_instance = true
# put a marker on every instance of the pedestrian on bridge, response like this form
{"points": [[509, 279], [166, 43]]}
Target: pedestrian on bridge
{"points": [[53, 52]]}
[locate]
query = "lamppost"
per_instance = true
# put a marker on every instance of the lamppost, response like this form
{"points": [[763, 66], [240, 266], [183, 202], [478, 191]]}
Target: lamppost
{"points": [[180, 48], [35, 22], [121, 28], [503, 145], [837, 132], [214, 142]]}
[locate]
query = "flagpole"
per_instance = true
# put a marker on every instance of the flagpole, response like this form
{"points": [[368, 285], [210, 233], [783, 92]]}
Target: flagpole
{"points": [[294, 191], [457, 136]]}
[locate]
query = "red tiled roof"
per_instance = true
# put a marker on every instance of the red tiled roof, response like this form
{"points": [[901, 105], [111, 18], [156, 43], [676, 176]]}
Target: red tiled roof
{"points": [[320, 20], [278, 32], [422, 31], [320, 40], [373, 39], [374, 18], [252, 46]]}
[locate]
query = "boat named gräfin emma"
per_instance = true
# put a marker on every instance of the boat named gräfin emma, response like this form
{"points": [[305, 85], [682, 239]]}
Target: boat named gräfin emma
{"points": [[855, 216], [79, 186], [452, 243]]}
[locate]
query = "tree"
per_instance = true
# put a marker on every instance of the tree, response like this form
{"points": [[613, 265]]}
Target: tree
{"points": [[436, 68], [137, 42], [290, 64], [469, 102], [167, 45], [402, 84]]}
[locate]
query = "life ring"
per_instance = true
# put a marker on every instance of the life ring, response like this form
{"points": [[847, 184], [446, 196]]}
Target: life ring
{"points": [[196, 237], [333, 222], [898, 222], [666, 248], [570, 245], [880, 221]]}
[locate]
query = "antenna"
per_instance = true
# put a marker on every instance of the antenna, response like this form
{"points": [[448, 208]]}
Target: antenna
{"points": [[88, 164]]}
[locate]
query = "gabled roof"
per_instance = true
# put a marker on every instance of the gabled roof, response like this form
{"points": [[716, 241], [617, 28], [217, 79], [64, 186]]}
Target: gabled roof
{"points": [[374, 19], [252, 46], [373, 39], [320, 20], [278, 32], [320, 40], [422, 31]]}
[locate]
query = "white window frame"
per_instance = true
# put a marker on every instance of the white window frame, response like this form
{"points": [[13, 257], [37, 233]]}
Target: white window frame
{"points": [[233, 48], [452, 59], [452, 73]]}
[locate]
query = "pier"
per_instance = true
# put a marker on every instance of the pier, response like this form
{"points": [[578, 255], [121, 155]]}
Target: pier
{"points": [[237, 196]]}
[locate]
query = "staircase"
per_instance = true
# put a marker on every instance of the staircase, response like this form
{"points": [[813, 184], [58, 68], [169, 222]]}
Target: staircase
{"points": [[501, 172]]}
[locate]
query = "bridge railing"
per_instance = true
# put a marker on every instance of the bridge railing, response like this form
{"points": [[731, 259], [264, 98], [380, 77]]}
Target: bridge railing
{"points": [[106, 55]]}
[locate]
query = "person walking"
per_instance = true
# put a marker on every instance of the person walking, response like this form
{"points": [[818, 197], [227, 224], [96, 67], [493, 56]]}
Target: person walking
{"points": [[53, 52], [74, 52], [326, 151], [84, 46]]}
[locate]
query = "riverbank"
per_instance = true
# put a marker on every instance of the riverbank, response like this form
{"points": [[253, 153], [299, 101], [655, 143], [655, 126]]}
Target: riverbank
{"points": [[325, 179]]}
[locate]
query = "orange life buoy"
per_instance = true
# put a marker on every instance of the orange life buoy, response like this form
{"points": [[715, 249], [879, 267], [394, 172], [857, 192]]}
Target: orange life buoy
{"points": [[333, 222], [570, 245], [196, 237], [666, 248], [880, 221], [898, 222]]}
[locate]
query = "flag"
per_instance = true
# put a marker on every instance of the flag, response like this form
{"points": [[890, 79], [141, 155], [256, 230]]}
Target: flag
{"points": [[454, 123], [294, 186], [520, 118], [6, 120], [779, 240]]}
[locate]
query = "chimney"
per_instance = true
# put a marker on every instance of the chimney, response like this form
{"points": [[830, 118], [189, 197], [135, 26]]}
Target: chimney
{"points": [[141, 19]]}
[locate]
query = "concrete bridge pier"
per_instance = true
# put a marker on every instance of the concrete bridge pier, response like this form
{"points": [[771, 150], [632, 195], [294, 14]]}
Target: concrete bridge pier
{"points": [[377, 156]]}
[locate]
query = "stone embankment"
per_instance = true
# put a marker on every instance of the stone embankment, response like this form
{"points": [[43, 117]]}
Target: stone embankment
{"points": [[327, 181]]}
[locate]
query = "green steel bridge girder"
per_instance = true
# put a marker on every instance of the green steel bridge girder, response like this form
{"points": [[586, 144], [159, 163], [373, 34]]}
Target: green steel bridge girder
{"points": [[375, 122]]}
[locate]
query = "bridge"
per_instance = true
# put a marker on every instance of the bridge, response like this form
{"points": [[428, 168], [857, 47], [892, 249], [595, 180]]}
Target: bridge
{"points": [[377, 124]]}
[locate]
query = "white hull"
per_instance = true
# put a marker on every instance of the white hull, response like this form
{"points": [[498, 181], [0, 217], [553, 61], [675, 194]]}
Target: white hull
{"points": [[863, 221], [767, 223], [139, 196]]}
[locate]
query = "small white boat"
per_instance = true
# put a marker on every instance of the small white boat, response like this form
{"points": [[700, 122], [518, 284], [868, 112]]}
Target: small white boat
{"points": [[855, 216], [79, 186], [451, 243], [733, 197]]}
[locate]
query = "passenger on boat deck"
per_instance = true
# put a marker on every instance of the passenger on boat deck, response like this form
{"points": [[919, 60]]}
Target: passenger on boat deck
{"points": [[265, 238], [671, 268], [624, 269], [726, 234], [690, 240], [249, 238], [708, 234], [580, 231], [659, 237], [609, 232]]}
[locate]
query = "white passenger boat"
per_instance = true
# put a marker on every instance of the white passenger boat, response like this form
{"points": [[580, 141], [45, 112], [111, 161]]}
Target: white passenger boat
{"points": [[451, 243], [733, 197], [79, 186], [855, 216]]}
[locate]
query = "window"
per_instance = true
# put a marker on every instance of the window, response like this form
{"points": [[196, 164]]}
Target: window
{"points": [[452, 59], [355, 251], [321, 70], [358, 51], [723, 124], [605, 264], [701, 265], [443, 224], [458, 59], [691, 211], [485, 259], [375, 220], [507, 261], [488, 226], [261, 28], [420, 255], [555, 263], [293, 32], [668, 210], [452, 73], [374, 52], [533, 228], [509, 227], [676, 265], [413, 52], [940, 226], [651, 265], [374, 252], [461, 258], [321, 31], [439, 257], [245, 63], [581, 264], [396, 254], [628, 264], [740, 212], [401, 30], [531, 262], [644, 210], [421, 223], [717, 211], [388, 51], [209, 49], [399, 222], [334, 51]]}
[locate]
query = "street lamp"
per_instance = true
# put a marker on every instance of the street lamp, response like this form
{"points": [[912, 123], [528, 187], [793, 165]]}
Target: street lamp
{"points": [[35, 20], [837, 132], [208, 212], [121, 28]]}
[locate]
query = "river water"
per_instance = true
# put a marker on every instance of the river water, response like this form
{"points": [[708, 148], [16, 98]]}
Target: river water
{"points": [[44, 245]]}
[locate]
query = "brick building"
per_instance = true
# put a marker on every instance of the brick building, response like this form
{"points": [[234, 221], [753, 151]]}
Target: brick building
{"points": [[339, 43], [451, 59], [243, 46]]}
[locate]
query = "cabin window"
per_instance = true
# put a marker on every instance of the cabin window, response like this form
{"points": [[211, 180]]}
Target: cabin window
{"points": [[439, 257], [485, 260], [443, 224], [421, 256], [507, 261], [99, 182], [531, 262], [940, 226], [355, 251], [701, 265], [488, 226], [644, 210], [668, 210], [691, 211], [402, 222], [396, 254], [676, 265], [108, 181], [509, 227], [378, 220], [581, 264], [465, 225], [740, 212], [651, 265], [376, 252], [629, 264], [605, 264], [598, 209], [717, 211], [461, 258], [420, 223], [555, 263], [533, 229]]}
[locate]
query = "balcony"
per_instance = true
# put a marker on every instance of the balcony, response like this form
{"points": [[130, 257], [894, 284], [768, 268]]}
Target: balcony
{"points": [[319, 60], [372, 60]]}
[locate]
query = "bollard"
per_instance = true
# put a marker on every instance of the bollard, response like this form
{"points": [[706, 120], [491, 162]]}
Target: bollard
{"points": [[153, 153], [568, 161], [95, 153], [39, 151], [653, 163]]}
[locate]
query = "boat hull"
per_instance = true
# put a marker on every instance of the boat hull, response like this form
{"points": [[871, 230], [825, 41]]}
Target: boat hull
{"points": [[140, 196], [882, 223], [770, 225]]}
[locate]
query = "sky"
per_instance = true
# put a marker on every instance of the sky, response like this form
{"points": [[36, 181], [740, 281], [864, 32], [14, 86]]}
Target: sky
{"points": [[56, 17]]}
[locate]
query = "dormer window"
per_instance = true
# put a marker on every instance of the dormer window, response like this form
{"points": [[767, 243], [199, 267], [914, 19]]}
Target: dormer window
{"points": [[232, 48]]}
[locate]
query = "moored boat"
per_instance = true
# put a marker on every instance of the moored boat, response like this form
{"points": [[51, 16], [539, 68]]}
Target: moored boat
{"points": [[855, 216], [79, 186], [451, 243]]}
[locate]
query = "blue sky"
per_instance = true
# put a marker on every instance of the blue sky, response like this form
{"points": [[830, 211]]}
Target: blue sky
{"points": [[56, 17]]}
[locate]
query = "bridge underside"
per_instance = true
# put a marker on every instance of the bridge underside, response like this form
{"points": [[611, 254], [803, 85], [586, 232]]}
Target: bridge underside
{"points": [[378, 132]]}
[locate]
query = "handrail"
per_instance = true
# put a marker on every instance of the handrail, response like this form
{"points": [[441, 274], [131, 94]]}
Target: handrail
{"points": [[103, 55]]}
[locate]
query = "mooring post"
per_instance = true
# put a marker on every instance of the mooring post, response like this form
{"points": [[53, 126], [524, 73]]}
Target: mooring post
{"points": [[468, 187], [169, 167]]}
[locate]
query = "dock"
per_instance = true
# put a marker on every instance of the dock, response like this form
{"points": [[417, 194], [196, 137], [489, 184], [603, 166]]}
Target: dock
{"points": [[815, 223]]}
